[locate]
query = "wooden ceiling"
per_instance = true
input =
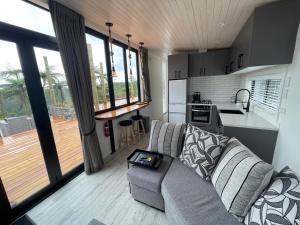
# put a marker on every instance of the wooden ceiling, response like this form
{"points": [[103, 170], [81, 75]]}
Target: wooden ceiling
{"points": [[170, 25]]}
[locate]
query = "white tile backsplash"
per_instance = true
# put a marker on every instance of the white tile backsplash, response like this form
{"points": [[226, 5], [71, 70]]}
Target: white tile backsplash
{"points": [[216, 88]]}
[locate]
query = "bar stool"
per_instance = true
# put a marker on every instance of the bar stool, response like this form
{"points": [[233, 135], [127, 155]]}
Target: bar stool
{"points": [[126, 133], [138, 125]]}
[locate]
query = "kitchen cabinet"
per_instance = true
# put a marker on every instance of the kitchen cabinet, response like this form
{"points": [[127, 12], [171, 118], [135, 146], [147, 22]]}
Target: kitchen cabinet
{"points": [[208, 63], [178, 66], [196, 64], [268, 37], [260, 142]]}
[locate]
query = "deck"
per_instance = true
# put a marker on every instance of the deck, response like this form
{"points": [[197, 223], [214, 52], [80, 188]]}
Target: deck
{"points": [[22, 166]]}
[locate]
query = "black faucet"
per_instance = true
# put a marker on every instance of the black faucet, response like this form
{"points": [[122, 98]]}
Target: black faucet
{"points": [[248, 103]]}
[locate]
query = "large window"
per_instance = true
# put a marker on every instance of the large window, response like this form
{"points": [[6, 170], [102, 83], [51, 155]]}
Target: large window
{"points": [[98, 70], [22, 166], [119, 81], [266, 92], [25, 15], [60, 109], [111, 91]]}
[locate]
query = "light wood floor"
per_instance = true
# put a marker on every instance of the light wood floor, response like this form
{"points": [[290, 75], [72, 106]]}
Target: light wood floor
{"points": [[104, 196], [22, 166]]}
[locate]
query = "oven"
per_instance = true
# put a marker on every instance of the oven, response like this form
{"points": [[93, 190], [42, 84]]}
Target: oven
{"points": [[199, 114]]}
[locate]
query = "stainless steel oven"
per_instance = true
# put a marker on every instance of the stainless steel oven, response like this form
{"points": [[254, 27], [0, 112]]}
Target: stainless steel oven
{"points": [[199, 114]]}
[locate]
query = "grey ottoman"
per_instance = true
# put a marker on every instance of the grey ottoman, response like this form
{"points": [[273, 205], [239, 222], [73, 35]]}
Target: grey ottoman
{"points": [[145, 184]]}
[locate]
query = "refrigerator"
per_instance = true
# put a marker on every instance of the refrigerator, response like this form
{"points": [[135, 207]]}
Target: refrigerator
{"points": [[177, 101]]}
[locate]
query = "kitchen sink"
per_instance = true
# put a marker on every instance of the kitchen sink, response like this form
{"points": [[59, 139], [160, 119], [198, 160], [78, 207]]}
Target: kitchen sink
{"points": [[231, 111]]}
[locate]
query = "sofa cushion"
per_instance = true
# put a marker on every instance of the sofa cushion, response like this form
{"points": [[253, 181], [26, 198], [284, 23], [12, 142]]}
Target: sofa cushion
{"points": [[166, 138], [190, 200], [240, 177], [148, 178], [279, 203], [201, 150]]}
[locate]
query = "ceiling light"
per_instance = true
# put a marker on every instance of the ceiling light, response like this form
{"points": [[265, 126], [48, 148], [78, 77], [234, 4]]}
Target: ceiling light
{"points": [[113, 70], [222, 24]]}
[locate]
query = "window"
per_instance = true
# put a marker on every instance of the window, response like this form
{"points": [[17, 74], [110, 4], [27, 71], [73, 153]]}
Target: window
{"points": [[64, 123], [22, 166], [132, 77], [98, 70], [25, 15], [266, 92], [119, 82], [109, 91]]}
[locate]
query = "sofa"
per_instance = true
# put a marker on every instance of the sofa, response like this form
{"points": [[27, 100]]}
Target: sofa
{"points": [[175, 188]]}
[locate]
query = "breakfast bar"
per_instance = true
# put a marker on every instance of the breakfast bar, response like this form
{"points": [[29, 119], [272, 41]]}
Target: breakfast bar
{"points": [[116, 113]]}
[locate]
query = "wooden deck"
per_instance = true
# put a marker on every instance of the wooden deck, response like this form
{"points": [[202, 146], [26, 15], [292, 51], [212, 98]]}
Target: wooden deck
{"points": [[22, 166]]}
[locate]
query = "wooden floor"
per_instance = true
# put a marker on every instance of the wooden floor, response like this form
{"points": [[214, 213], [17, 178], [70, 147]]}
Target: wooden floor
{"points": [[22, 166], [104, 196]]}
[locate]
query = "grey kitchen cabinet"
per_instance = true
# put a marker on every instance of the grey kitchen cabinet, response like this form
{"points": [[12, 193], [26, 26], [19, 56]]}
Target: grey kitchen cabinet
{"points": [[208, 63], [260, 142], [216, 61], [178, 66], [196, 64], [268, 37]]}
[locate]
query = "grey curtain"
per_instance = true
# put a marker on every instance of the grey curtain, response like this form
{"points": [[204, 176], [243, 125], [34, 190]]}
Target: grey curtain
{"points": [[145, 74], [70, 34]]}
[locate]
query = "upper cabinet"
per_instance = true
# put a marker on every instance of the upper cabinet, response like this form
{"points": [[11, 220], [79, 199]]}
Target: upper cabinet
{"points": [[268, 37], [178, 66], [208, 63]]}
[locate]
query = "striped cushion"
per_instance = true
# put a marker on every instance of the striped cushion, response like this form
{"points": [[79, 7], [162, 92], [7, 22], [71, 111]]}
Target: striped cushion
{"points": [[166, 138], [240, 177]]}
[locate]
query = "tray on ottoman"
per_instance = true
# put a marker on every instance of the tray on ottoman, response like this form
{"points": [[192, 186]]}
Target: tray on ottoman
{"points": [[145, 159]]}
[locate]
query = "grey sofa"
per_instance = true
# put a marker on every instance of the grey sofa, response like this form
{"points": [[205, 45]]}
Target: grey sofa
{"points": [[185, 197]]}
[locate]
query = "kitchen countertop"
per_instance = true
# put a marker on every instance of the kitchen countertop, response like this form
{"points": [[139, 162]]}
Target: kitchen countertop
{"points": [[247, 120]]}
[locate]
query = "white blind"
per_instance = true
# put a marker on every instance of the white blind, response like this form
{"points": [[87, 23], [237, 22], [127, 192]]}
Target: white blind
{"points": [[266, 93]]}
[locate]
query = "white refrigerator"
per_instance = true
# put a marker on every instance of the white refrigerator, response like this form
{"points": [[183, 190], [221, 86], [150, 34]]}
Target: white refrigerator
{"points": [[177, 101]]}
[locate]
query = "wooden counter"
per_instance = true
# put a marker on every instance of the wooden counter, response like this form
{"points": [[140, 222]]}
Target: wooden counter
{"points": [[114, 114]]}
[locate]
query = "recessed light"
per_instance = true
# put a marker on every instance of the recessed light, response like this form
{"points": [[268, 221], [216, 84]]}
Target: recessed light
{"points": [[222, 24]]}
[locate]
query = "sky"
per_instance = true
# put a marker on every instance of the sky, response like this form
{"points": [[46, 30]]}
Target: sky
{"points": [[33, 18]]}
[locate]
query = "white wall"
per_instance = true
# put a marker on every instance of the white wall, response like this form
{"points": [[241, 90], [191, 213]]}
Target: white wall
{"points": [[158, 83], [287, 150]]}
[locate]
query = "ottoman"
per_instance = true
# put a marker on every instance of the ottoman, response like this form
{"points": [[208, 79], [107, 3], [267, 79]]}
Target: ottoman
{"points": [[145, 184]]}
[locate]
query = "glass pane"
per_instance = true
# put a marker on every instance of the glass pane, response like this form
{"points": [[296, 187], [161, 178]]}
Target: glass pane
{"points": [[25, 15], [132, 77], [22, 166], [62, 115], [119, 80], [98, 72]]}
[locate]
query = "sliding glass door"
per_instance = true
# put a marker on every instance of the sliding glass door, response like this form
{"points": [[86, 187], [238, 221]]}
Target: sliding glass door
{"points": [[22, 165], [60, 107], [40, 141]]}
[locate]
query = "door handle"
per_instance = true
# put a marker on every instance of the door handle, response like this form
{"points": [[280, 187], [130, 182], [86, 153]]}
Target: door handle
{"points": [[240, 60]]}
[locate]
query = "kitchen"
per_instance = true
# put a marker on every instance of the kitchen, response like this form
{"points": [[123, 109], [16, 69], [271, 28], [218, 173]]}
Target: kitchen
{"points": [[239, 91]]}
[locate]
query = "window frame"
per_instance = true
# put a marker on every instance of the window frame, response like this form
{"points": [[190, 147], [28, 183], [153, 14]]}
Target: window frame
{"points": [[124, 47]]}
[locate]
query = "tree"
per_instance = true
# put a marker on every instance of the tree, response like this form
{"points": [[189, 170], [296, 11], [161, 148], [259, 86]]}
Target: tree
{"points": [[16, 87], [102, 81], [50, 80], [93, 78]]}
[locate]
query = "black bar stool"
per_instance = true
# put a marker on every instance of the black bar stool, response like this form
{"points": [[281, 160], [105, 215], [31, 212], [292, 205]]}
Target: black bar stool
{"points": [[126, 133]]}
